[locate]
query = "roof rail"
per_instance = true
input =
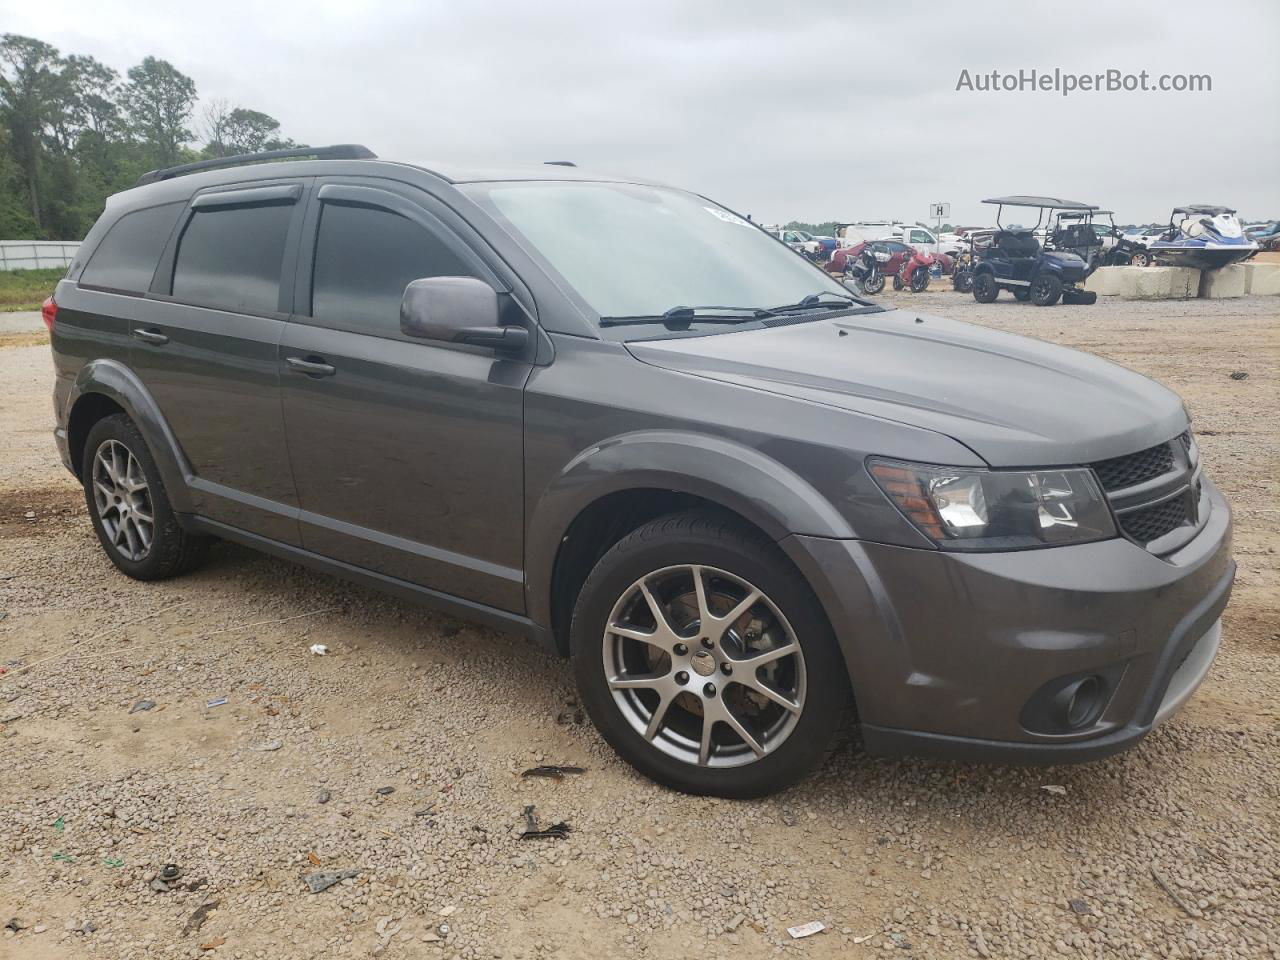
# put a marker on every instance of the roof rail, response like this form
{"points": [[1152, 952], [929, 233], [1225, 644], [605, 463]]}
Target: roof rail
{"points": [[338, 151], [558, 163]]}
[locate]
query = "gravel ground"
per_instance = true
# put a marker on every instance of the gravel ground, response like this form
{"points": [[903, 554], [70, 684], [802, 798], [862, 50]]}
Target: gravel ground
{"points": [[397, 757]]}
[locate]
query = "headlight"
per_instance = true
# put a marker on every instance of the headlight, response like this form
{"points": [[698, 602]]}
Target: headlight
{"points": [[966, 509]]}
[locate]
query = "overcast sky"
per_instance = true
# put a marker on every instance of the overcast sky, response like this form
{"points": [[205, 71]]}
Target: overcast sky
{"points": [[814, 111]]}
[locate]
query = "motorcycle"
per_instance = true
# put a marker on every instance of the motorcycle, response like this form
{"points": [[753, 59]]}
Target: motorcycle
{"points": [[863, 273], [914, 272]]}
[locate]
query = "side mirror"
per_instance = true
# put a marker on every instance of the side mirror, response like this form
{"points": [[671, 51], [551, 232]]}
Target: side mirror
{"points": [[457, 310]]}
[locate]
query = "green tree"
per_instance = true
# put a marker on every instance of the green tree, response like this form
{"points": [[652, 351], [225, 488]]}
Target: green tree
{"points": [[159, 100], [240, 130], [29, 87]]}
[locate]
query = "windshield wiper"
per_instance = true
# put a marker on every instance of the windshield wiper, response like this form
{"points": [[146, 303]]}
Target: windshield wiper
{"points": [[681, 317], [814, 301]]}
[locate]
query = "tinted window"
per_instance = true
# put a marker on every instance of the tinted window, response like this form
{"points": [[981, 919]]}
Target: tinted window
{"points": [[365, 257], [127, 256], [230, 257]]}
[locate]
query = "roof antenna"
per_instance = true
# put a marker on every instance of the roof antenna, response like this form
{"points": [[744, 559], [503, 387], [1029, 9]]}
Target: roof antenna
{"points": [[559, 163]]}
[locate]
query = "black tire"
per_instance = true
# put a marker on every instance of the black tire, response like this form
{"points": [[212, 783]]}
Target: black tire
{"points": [[897, 281], [873, 283], [963, 281], [1140, 259], [171, 550], [1080, 297], [1021, 294], [1045, 290], [920, 280], [710, 539], [985, 289]]}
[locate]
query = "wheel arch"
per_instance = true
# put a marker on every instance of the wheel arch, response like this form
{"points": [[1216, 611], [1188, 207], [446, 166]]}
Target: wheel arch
{"points": [[105, 387], [614, 487]]}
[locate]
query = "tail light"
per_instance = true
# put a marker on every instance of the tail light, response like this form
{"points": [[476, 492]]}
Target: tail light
{"points": [[49, 313]]}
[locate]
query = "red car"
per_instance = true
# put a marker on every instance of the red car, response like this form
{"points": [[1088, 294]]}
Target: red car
{"points": [[897, 250]]}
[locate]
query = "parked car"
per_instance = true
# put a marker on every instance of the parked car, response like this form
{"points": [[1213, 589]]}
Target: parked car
{"points": [[826, 246], [799, 241], [747, 505]]}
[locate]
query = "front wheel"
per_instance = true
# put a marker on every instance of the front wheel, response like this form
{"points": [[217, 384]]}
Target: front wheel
{"points": [[705, 660], [1021, 294], [962, 281], [985, 289], [1140, 259], [1045, 290], [873, 282], [129, 507], [897, 281], [920, 280]]}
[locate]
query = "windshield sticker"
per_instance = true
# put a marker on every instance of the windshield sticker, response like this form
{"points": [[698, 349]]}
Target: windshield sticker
{"points": [[728, 217]]}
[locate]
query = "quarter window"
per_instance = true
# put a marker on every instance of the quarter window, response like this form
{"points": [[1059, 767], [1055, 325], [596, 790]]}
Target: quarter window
{"points": [[126, 258], [365, 257], [229, 258]]}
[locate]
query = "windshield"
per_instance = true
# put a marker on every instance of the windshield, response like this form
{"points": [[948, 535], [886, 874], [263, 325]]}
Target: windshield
{"points": [[637, 251]]}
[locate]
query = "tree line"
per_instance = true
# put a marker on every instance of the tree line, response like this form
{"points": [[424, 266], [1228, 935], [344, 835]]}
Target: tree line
{"points": [[73, 131]]}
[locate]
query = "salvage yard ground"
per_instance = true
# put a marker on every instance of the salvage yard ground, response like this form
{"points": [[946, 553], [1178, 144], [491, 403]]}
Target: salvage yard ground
{"points": [[1171, 850]]}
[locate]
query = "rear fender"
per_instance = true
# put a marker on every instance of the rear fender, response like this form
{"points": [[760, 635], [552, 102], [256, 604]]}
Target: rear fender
{"points": [[112, 379]]}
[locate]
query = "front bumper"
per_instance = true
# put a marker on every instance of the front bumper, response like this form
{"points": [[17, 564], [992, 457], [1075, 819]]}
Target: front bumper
{"points": [[948, 652]]}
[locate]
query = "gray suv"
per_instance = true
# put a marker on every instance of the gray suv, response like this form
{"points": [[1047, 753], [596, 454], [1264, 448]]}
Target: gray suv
{"points": [[755, 512]]}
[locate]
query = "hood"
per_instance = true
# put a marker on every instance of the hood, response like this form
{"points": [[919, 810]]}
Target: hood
{"points": [[1012, 400]]}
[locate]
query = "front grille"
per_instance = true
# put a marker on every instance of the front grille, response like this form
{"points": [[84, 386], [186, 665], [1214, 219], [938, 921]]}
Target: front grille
{"points": [[1120, 472], [1152, 523]]}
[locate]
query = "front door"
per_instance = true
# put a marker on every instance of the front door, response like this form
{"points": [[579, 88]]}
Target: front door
{"points": [[205, 344], [407, 454]]}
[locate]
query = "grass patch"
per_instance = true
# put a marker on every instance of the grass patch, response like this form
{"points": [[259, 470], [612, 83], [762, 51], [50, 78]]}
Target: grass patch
{"points": [[26, 289]]}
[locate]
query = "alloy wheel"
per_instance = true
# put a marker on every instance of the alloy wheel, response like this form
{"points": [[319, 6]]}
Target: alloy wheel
{"points": [[704, 666], [123, 500]]}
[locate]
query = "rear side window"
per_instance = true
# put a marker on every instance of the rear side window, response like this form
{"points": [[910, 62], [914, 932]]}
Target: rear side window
{"points": [[229, 258], [126, 258], [365, 257]]}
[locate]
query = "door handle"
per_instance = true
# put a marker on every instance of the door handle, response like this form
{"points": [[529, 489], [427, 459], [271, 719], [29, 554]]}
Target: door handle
{"points": [[311, 366], [151, 336]]}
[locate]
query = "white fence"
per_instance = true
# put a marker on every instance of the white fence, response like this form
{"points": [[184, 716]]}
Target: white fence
{"points": [[33, 254]]}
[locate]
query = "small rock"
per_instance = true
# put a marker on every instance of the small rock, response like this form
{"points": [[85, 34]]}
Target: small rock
{"points": [[268, 746], [386, 791], [323, 796], [142, 705]]}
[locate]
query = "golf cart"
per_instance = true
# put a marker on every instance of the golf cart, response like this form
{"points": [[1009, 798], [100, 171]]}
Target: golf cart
{"points": [[1016, 262], [1075, 232]]}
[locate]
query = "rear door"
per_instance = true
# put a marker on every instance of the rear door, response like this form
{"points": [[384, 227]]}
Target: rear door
{"points": [[205, 346], [408, 454]]}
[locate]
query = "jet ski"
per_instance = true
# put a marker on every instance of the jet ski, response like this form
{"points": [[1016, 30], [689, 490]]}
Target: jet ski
{"points": [[1203, 236]]}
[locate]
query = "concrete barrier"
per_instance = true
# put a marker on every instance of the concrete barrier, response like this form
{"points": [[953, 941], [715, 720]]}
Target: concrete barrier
{"points": [[1225, 282], [1107, 281], [1145, 283], [1262, 279]]}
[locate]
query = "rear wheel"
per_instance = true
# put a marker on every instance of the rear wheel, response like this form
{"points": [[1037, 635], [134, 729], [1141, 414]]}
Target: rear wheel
{"points": [[129, 507], [897, 281], [1045, 290], [962, 281], [704, 659], [1140, 259], [985, 289]]}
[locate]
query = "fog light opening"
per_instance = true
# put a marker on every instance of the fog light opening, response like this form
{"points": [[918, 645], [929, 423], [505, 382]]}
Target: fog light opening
{"points": [[1082, 702]]}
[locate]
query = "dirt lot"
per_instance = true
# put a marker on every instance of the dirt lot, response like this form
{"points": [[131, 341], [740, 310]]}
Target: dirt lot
{"points": [[1172, 850]]}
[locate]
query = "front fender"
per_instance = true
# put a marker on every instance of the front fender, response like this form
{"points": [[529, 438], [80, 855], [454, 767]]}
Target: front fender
{"points": [[737, 477], [112, 379]]}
